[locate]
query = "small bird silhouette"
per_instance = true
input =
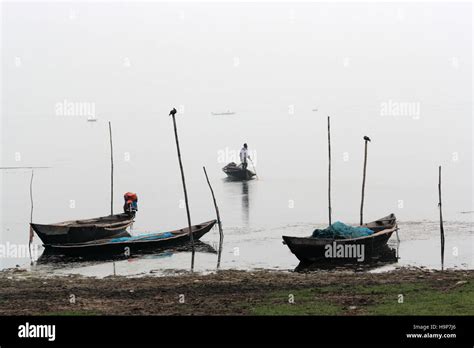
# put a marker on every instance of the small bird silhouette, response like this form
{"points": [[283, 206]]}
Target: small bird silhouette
{"points": [[366, 138], [173, 112]]}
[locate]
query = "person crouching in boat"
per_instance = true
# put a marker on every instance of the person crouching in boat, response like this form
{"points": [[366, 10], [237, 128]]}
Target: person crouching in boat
{"points": [[131, 203], [244, 154]]}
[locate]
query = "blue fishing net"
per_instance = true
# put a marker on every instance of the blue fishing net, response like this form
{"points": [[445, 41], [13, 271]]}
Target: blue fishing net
{"points": [[151, 236], [340, 230]]}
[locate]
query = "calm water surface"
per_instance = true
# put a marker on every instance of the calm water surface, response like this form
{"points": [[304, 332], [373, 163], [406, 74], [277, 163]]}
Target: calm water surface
{"points": [[255, 217]]}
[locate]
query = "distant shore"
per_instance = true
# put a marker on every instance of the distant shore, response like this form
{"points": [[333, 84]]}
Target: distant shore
{"points": [[399, 292]]}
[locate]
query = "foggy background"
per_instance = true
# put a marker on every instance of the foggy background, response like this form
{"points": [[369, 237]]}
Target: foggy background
{"points": [[272, 64]]}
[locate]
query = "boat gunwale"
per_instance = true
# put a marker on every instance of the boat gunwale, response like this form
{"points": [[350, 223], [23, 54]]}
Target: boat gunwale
{"points": [[103, 242], [376, 234], [93, 222], [390, 228]]}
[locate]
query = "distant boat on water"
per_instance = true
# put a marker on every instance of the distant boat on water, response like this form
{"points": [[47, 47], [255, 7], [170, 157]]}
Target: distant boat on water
{"points": [[228, 112], [91, 119], [235, 171]]}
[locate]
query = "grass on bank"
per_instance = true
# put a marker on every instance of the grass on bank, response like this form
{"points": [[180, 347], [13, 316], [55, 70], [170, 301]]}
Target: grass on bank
{"points": [[387, 299]]}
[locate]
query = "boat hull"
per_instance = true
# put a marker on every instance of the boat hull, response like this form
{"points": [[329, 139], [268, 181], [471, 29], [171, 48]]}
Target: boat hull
{"points": [[107, 247], [308, 249], [237, 172], [81, 231]]}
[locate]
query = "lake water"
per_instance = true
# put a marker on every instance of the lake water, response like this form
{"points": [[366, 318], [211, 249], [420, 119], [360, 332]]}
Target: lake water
{"points": [[253, 226], [262, 249], [282, 68]]}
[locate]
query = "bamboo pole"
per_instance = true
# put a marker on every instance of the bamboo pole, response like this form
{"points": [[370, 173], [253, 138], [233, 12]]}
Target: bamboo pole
{"points": [[441, 220], [221, 232], [31, 213], [191, 237], [111, 171], [363, 183], [31, 194], [329, 174]]}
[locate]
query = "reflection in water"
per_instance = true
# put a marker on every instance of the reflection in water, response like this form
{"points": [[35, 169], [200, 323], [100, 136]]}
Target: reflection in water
{"points": [[245, 203], [219, 253], [398, 244], [243, 189], [221, 237], [48, 257], [385, 256]]}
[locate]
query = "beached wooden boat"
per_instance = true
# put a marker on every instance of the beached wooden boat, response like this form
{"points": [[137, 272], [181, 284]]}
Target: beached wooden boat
{"points": [[80, 231], [236, 172], [120, 245], [310, 249]]}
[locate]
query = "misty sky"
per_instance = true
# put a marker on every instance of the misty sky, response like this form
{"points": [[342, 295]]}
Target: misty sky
{"points": [[270, 63]]}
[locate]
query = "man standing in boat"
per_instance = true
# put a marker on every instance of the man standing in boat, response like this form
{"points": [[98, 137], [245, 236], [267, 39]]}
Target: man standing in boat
{"points": [[244, 154]]}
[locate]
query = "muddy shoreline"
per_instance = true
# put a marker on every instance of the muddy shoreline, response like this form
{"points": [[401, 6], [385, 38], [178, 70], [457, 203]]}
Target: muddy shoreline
{"points": [[222, 293]]}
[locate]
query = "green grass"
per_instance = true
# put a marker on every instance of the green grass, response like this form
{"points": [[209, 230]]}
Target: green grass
{"points": [[419, 298], [305, 303], [427, 301]]}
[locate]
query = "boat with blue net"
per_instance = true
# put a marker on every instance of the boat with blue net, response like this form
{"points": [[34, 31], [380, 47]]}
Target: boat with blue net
{"points": [[373, 236], [132, 244]]}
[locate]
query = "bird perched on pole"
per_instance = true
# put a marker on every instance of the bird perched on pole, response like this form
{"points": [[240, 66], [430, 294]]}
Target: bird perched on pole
{"points": [[366, 138], [173, 112]]}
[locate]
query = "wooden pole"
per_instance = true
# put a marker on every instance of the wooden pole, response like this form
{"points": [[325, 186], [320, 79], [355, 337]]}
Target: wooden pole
{"points": [[363, 185], [111, 171], [221, 232], [31, 194], [441, 220], [329, 175], [31, 213], [191, 237]]}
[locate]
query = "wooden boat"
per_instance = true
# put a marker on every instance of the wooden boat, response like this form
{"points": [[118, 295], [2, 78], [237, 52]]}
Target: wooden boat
{"points": [[235, 171], [113, 246], [52, 256], [310, 249], [81, 231]]}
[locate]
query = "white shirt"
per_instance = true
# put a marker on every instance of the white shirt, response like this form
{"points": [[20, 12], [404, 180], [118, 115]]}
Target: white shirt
{"points": [[244, 153]]}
